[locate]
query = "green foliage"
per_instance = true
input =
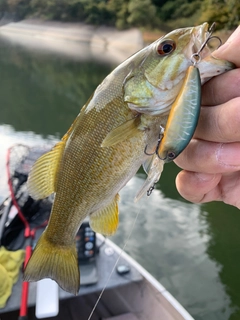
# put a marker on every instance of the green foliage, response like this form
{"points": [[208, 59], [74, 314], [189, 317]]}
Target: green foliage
{"points": [[20, 8], [137, 13], [45, 86], [129, 13], [119, 11], [176, 9], [96, 12], [225, 13]]}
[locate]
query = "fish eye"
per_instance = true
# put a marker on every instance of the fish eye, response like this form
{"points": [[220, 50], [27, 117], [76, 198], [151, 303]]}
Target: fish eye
{"points": [[166, 47], [171, 155]]}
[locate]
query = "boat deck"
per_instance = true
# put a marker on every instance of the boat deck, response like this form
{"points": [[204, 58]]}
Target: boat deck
{"points": [[130, 296], [88, 294], [126, 316]]}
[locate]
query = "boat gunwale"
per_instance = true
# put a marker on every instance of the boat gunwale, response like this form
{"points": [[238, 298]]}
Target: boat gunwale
{"points": [[153, 281]]}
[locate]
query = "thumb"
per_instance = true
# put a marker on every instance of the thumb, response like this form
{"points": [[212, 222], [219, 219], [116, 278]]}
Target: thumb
{"points": [[230, 50]]}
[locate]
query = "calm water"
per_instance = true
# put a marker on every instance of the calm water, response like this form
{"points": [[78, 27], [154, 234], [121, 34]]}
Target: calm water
{"points": [[193, 250]]}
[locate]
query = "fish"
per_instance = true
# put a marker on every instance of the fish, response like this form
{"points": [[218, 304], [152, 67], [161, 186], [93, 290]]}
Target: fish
{"points": [[104, 148]]}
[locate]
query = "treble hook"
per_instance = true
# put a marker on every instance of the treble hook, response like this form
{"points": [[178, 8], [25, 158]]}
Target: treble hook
{"points": [[212, 28], [150, 190], [209, 34], [160, 136], [196, 57], [216, 37]]}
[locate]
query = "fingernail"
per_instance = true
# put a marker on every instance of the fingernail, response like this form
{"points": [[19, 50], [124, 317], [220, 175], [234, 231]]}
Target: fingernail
{"points": [[228, 154], [205, 177]]}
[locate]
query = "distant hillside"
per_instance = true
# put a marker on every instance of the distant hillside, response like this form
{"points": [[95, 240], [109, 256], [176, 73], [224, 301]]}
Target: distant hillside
{"points": [[146, 14]]}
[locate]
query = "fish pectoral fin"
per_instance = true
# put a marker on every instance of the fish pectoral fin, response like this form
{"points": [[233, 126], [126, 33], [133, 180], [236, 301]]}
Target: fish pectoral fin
{"points": [[105, 221], [125, 131], [57, 262]]}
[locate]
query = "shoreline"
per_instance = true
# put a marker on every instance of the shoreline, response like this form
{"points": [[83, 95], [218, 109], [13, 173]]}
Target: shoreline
{"points": [[78, 40], [73, 39]]}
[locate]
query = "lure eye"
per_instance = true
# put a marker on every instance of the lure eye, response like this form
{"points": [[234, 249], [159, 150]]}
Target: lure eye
{"points": [[171, 155], [166, 47]]}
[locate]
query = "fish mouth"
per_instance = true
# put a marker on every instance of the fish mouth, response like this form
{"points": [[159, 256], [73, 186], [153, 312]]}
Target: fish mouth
{"points": [[200, 36]]}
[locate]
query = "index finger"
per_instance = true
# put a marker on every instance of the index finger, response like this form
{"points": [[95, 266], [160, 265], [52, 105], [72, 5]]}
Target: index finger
{"points": [[222, 88]]}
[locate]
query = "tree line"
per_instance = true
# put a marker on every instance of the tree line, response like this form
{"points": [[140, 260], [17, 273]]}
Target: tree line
{"points": [[149, 14]]}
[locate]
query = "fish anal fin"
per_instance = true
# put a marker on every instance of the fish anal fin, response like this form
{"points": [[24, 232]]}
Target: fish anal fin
{"points": [[125, 131], [56, 262], [105, 221]]}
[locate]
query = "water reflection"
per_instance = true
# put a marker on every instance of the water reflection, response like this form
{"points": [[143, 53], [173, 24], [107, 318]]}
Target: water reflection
{"points": [[44, 93], [223, 223], [193, 250], [170, 240]]}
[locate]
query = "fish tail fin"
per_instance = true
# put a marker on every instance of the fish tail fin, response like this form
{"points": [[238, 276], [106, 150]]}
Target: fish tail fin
{"points": [[56, 262]]}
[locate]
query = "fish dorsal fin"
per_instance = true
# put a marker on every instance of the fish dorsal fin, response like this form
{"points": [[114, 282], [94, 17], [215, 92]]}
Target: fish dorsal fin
{"points": [[42, 178], [105, 221], [125, 131]]}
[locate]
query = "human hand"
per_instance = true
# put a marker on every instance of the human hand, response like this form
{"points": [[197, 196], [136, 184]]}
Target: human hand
{"points": [[211, 161]]}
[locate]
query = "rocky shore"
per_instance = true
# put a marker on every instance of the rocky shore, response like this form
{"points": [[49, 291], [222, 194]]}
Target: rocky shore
{"points": [[74, 39]]}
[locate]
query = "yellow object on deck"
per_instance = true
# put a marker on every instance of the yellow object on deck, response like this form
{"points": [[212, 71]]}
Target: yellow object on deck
{"points": [[10, 263]]}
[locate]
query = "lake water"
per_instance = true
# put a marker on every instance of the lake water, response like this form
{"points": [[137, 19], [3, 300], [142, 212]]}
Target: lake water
{"points": [[193, 250]]}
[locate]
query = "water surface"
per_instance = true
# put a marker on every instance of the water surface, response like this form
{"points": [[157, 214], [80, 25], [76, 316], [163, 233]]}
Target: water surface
{"points": [[193, 250]]}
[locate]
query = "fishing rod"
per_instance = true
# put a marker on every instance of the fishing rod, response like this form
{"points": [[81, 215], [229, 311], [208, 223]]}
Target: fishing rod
{"points": [[28, 239], [29, 232]]}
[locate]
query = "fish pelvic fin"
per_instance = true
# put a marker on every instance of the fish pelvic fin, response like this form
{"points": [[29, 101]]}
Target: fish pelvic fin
{"points": [[59, 263], [105, 221], [125, 131]]}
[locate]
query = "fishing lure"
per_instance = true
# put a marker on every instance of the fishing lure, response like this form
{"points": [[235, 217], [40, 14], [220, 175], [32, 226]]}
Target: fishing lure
{"points": [[183, 117], [181, 123], [180, 127], [184, 114]]}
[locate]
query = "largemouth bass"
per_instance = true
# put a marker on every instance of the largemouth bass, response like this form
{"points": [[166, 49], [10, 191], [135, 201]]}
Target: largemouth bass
{"points": [[104, 148]]}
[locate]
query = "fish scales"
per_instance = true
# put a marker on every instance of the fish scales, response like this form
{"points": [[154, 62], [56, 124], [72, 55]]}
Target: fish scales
{"points": [[105, 146], [101, 164]]}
